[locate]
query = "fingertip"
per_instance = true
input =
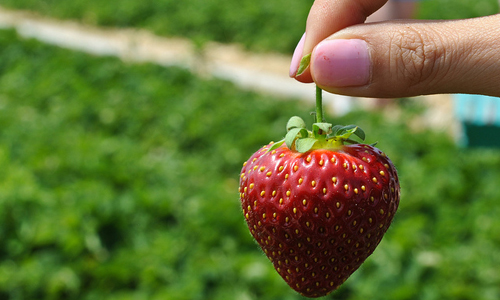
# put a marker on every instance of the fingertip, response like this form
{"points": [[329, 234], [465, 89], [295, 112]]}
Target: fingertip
{"points": [[297, 56], [299, 66], [305, 77]]}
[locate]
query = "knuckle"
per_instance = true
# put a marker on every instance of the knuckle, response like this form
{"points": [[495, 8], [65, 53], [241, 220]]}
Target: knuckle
{"points": [[414, 56]]}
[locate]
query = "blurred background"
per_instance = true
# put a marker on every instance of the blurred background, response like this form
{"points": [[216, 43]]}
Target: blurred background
{"points": [[120, 167]]}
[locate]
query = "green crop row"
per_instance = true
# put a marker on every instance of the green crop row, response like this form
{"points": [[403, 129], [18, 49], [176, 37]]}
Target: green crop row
{"points": [[120, 181], [259, 25]]}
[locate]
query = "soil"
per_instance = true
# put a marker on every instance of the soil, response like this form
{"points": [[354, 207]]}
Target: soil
{"points": [[262, 72]]}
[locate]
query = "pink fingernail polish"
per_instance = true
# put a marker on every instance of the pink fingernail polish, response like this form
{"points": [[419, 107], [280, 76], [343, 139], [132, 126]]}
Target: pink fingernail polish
{"points": [[297, 55], [341, 63]]}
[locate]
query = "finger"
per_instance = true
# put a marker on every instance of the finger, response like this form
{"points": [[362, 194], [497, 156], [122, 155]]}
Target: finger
{"points": [[327, 17], [395, 59]]}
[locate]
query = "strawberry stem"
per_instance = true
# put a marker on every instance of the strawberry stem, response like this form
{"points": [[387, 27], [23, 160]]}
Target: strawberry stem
{"points": [[322, 136], [319, 105]]}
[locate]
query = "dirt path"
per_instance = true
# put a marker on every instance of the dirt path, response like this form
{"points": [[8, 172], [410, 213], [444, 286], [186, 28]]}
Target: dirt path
{"points": [[267, 73], [264, 72]]}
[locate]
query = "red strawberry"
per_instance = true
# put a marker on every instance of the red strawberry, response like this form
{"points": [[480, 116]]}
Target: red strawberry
{"points": [[318, 208]]}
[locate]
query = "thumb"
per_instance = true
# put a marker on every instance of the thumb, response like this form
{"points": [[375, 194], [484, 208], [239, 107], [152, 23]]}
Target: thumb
{"points": [[403, 59]]}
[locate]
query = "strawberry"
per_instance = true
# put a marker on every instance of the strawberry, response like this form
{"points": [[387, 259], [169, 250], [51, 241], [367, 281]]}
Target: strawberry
{"points": [[317, 204]]}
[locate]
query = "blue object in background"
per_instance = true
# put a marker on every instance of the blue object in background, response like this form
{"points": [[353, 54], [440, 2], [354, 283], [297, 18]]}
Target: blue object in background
{"points": [[480, 119]]}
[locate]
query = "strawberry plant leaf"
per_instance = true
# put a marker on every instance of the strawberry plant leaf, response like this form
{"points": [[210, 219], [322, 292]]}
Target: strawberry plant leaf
{"points": [[335, 129], [351, 141], [293, 134], [347, 131], [348, 128], [305, 144], [295, 122], [276, 145], [360, 133], [325, 127], [304, 63]]}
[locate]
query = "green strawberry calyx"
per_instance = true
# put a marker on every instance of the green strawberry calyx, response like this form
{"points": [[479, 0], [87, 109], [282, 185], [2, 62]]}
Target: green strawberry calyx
{"points": [[323, 135]]}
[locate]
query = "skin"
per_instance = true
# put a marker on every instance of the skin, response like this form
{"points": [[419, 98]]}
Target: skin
{"points": [[410, 57]]}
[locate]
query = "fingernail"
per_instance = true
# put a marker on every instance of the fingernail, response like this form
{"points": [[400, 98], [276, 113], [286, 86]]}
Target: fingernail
{"points": [[341, 63], [297, 55]]}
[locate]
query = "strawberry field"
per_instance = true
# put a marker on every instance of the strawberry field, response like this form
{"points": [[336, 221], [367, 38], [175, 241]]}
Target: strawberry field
{"points": [[120, 181], [260, 25]]}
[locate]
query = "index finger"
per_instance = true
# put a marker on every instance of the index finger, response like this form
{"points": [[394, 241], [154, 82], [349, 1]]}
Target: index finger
{"points": [[329, 16]]}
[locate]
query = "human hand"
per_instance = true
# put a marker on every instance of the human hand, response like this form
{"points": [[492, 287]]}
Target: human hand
{"points": [[397, 58]]}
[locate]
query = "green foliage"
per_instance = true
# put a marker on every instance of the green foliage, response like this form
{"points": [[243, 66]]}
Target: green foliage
{"points": [[259, 25], [443, 242], [119, 181], [457, 9]]}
